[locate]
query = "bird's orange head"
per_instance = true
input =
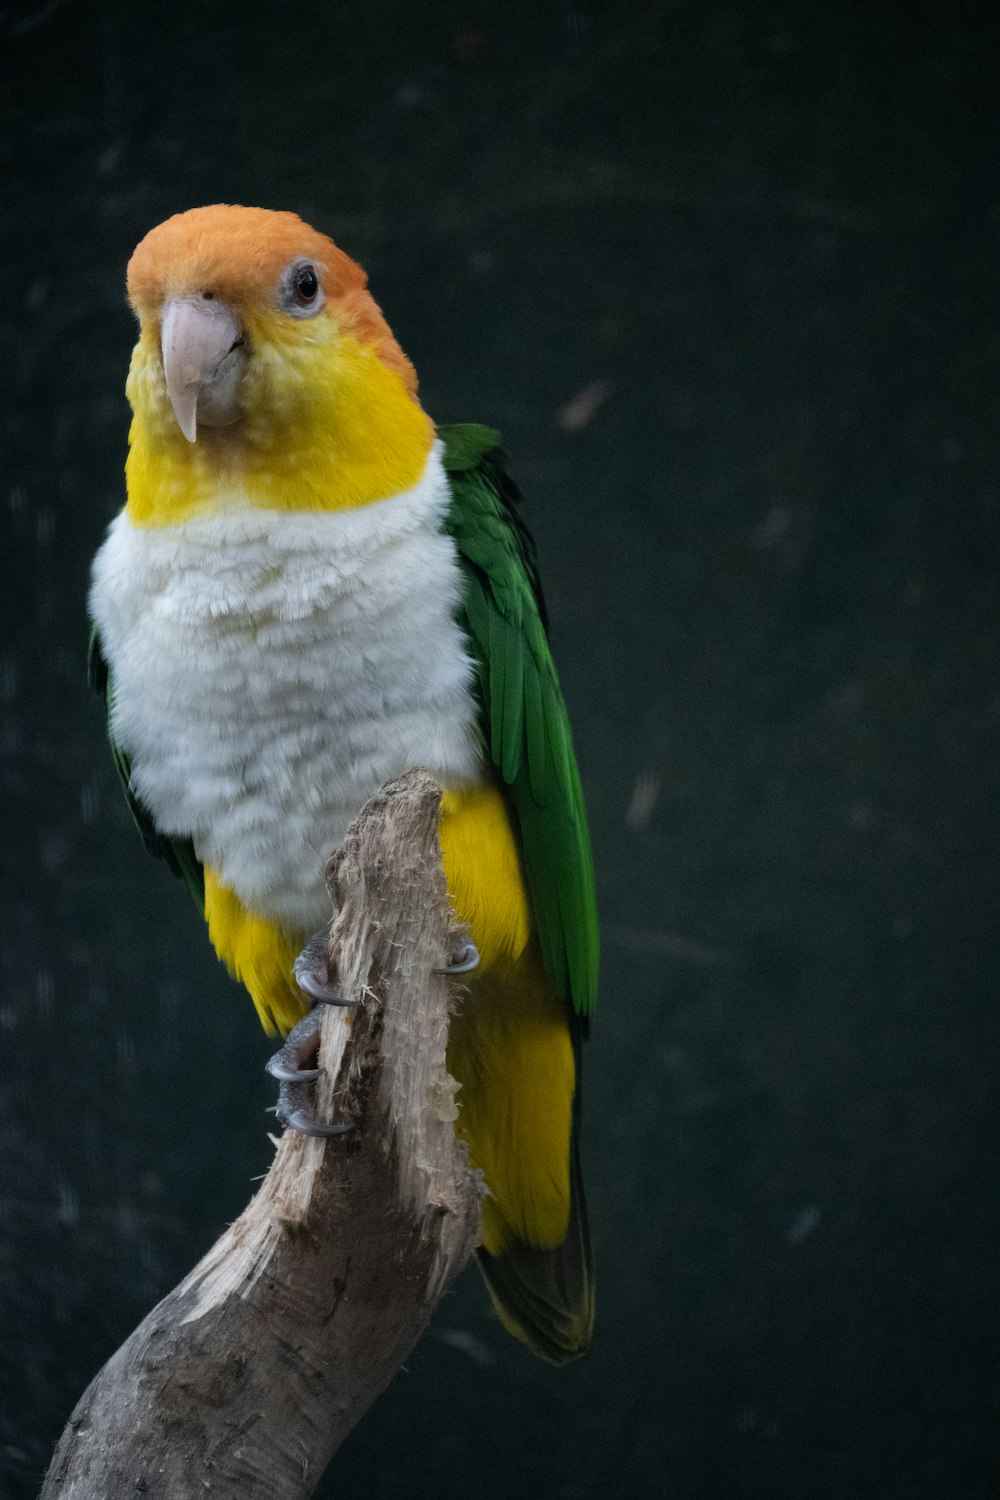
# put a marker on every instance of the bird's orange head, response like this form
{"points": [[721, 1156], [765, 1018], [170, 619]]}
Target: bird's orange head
{"points": [[264, 374]]}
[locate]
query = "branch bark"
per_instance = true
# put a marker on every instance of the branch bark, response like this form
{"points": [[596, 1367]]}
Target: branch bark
{"points": [[245, 1379]]}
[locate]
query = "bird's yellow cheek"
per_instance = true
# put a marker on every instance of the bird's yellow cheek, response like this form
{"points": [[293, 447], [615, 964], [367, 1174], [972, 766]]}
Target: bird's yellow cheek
{"points": [[326, 426]]}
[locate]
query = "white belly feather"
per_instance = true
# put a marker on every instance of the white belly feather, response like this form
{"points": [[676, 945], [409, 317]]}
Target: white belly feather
{"points": [[272, 669]]}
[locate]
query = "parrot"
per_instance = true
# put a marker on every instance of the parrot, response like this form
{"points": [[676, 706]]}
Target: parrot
{"points": [[310, 589]]}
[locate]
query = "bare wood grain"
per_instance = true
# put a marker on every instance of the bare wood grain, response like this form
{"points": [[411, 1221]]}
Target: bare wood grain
{"points": [[245, 1379]]}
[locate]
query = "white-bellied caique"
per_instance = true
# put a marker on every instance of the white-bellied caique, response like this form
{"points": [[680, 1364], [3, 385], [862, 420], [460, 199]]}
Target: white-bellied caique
{"points": [[310, 590]]}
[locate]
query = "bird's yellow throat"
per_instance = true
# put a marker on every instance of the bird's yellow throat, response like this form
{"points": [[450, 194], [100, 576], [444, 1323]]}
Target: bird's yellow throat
{"points": [[327, 426]]}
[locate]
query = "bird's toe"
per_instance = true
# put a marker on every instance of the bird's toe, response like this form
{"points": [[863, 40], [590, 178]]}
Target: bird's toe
{"points": [[293, 1066], [312, 972], [464, 959]]}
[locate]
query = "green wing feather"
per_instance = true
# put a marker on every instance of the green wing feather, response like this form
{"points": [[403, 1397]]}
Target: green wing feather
{"points": [[523, 714], [178, 853]]}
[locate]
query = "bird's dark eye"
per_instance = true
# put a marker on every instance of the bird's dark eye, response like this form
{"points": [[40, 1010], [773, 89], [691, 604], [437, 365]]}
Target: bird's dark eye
{"points": [[305, 285], [300, 291]]}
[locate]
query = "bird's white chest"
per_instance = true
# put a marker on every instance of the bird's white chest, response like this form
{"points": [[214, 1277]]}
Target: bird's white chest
{"points": [[272, 669]]}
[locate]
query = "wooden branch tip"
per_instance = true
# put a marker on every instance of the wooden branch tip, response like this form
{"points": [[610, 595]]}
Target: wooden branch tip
{"points": [[246, 1378]]}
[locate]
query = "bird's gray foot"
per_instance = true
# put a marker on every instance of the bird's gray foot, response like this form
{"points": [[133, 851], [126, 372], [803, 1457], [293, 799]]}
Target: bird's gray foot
{"points": [[301, 1048], [312, 972], [464, 959], [294, 1067]]}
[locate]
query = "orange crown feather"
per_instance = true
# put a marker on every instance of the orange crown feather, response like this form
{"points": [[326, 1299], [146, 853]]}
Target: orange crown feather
{"points": [[238, 254]]}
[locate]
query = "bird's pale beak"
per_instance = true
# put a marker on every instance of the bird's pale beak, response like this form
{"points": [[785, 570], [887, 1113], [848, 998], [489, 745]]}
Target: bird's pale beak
{"points": [[204, 357]]}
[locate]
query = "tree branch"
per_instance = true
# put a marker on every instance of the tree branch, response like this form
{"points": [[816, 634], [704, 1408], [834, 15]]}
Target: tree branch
{"points": [[247, 1377]]}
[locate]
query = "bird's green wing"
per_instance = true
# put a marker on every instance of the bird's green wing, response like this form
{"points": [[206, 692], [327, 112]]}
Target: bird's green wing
{"points": [[523, 716], [178, 853]]}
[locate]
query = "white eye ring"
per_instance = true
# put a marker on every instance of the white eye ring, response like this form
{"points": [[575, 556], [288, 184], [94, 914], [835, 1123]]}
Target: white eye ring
{"points": [[301, 291]]}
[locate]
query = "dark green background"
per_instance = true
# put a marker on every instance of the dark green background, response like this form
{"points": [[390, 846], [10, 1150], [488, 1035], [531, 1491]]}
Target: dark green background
{"points": [[771, 558]]}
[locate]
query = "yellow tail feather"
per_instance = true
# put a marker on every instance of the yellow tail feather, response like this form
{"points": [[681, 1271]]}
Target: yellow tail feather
{"points": [[511, 1050]]}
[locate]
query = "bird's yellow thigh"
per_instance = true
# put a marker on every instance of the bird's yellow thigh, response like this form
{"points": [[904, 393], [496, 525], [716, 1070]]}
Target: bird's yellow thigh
{"points": [[257, 952], [510, 1049], [483, 871]]}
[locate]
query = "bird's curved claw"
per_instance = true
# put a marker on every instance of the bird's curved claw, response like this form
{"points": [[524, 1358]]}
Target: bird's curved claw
{"points": [[312, 972], [462, 961], [295, 1111], [295, 1061], [290, 1066], [277, 1069], [323, 994], [303, 1121]]}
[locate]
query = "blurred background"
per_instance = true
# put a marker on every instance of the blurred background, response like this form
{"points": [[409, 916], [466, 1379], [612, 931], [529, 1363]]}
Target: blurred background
{"points": [[725, 276]]}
